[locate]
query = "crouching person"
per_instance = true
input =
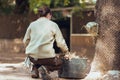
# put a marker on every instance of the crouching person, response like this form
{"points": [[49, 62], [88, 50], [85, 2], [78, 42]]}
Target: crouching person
{"points": [[39, 39]]}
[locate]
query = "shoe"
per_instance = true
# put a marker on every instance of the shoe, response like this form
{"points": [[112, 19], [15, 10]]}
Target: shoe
{"points": [[34, 72], [44, 73]]}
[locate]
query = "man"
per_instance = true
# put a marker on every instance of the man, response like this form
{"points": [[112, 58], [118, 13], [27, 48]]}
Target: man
{"points": [[39, 39]]}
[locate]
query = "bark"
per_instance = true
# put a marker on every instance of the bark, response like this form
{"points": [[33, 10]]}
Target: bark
{"points": [[107, 55]]}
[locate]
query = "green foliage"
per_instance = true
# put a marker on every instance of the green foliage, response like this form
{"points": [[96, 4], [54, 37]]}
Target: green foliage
{"points": [[78, 9], [66, 2], [83, 4], [35, 4], [58, 3], [6, 6]]}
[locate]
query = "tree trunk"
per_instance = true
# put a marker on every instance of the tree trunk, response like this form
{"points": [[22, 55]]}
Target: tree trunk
{"points": [[107, 55], [22, 6]]}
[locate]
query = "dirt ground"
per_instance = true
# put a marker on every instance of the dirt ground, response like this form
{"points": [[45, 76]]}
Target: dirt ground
{"points": [[12, 68], [11, 57]]}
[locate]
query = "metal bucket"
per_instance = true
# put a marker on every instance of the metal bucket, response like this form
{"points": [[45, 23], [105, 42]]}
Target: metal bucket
{"points": [[74, 68]]}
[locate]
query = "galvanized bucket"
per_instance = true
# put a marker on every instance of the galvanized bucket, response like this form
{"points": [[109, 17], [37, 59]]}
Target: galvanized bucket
{"points": [[74, 68]]}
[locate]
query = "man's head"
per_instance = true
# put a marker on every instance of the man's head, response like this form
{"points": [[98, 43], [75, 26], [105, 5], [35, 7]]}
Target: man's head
{"points": [[45, 12]]}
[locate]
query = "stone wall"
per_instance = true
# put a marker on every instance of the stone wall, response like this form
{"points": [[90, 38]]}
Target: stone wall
{"points": [[11, 46], [12, 30]]}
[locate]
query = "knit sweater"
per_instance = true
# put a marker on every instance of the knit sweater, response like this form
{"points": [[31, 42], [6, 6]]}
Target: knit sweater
{"points": [[41, 35]]}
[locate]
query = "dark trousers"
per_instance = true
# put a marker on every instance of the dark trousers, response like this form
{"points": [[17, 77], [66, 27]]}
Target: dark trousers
{"points": [[51, 64]]}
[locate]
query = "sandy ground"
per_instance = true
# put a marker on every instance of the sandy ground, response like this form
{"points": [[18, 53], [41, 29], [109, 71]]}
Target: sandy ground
{"points": [[12, 68], [16, 71]]}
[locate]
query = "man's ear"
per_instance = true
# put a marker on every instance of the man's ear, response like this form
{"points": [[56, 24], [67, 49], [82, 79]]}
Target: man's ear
{"points": [[49, 16]]}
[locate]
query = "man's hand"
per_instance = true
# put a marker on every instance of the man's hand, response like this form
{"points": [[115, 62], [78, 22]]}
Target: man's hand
{"points": [[67, 55]]}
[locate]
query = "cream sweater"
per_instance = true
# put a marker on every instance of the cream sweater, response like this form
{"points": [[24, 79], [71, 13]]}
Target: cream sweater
{"points": [[41, 35]]}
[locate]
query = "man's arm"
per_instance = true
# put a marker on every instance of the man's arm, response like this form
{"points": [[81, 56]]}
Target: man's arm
{"points": [[26, 38], [60, 40]]}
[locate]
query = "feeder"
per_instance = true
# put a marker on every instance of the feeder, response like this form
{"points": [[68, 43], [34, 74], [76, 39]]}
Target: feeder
{"points": [[74, 68]]}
